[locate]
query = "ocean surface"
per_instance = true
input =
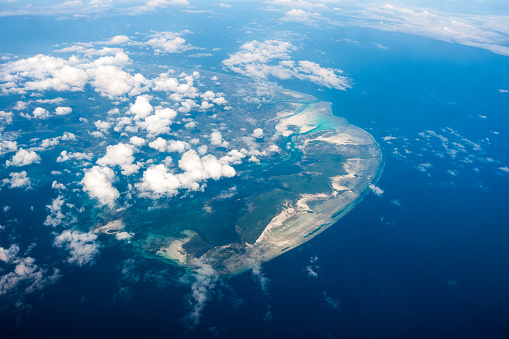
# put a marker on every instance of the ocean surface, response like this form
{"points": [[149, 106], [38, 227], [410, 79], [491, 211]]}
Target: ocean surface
{"points": [[428, 258]]}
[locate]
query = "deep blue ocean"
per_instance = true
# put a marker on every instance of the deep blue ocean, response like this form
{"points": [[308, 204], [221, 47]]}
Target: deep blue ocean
{"points": [[427, 259]]}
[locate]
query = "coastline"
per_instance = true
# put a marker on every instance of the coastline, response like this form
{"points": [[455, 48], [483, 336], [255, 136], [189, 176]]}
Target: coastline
{"points": [[296, 223]]}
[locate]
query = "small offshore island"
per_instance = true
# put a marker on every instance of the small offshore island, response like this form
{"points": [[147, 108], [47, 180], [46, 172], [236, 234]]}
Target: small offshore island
{"points": [[323, 171]]}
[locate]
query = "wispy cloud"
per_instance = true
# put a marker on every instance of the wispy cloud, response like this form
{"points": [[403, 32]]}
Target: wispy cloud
{"points": [[81, 246], [271, 58], [312, 268], [63, 8], [334, 303], [21, 276], [489, 32], [376, 190], [202, 290], [259, 275]]}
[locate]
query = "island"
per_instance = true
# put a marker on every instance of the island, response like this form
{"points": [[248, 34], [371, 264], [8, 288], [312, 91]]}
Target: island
{"points": [[322, 170], [195, 168]]}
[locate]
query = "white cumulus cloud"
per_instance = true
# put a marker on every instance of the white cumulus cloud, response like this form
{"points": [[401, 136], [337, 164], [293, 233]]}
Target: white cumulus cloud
{"points": [[63, 110], [81, 246], [376, 190], [301, 16], [66, 156], [137, 141], [97, 182], [168, 42], [41, 113], [141, 107], [7, 255], [117, 40], [56, 216], [158, 181], [127, 236], [6, 116], [158, 123], [27, 278], [23, 157], [44, 73], [17, 180], [258, 133], [272, 58], [121, 155]]}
